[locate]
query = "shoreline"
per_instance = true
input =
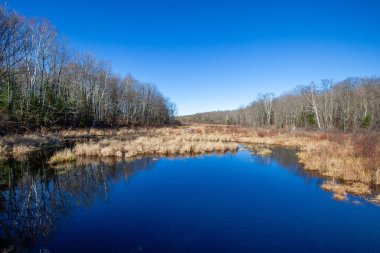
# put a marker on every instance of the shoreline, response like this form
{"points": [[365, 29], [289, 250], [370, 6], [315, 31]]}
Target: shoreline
{"points": [[350, 163]]}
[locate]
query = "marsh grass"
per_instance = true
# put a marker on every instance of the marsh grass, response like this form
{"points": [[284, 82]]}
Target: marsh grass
{"points": [[21, 149], [374, 199], [350, 158], [262, 151], [21, 145], [160, 144], [340, 189], [62, 156]]}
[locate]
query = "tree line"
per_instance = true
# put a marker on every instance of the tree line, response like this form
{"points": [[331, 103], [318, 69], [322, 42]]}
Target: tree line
{"points": [[44, 84], [347, 105]]}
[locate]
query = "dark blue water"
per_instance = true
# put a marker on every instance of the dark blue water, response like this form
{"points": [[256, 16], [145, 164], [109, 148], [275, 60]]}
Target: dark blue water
{"points": [[212, 203]]}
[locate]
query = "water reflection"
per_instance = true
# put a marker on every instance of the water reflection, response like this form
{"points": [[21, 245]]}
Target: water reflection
{"points": [[286, 157], [34, 197]]}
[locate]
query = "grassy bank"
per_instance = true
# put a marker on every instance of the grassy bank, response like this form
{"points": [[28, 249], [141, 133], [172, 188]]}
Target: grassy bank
{"points": [[351, 162], [19, 146]]}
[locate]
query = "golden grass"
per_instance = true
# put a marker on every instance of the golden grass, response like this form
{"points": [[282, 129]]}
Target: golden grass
{"points": [[154, 145], [351, 158], [341, 161], [62, 156], [340, 196], [21, 149], [340, 190], [374, 199], [262, 151], [332, 155], [21, 145]]}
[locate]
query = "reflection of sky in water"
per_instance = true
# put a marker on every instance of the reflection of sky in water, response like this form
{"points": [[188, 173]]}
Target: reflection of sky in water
{"points": [[212, 203]]}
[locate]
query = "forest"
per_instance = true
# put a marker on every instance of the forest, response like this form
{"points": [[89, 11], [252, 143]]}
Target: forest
{"points": [[43, 83], [349, 105]]}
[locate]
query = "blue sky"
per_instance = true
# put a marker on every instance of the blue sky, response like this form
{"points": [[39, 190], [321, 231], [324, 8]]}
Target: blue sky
{"points": [[217, 55]]}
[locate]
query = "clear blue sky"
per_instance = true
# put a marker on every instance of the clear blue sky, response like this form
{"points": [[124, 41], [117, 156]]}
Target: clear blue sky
{"points": [[216, 55]]}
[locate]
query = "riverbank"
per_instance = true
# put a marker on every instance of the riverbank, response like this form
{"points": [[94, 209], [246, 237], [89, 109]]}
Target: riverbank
{"points": [[19, 146], [351, 162]]}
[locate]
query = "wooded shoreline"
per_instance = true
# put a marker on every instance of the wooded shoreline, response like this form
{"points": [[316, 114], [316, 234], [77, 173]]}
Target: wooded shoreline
{"points": [[45, 84], [348, 106]]}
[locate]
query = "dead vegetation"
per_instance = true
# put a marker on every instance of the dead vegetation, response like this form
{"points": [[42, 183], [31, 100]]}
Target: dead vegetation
{"points": [[349, 157], [374, 199], [340, 190], [352, 159], [161, 143], [62, 156], [21, 145], [263, 151]]}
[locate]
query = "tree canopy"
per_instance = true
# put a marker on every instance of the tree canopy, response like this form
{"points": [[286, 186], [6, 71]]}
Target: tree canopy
{"points": [[44, 84]]}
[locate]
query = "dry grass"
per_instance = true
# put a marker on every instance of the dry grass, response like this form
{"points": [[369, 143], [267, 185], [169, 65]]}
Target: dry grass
{"points": [[21, 145], [159, 144], [351, 158], [340, 190], [262, 151], [340, 196], [21, 149], [347, 158], [62, 156], [374, 199]]}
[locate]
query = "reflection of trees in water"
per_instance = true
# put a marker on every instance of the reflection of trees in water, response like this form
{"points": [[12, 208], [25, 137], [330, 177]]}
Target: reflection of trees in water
{"points": [[91, 178], [29, 203], [287, 158], [34, 197]]}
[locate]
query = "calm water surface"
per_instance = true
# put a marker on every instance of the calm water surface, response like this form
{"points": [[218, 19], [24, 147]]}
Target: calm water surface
{"points": [[211, 203]]}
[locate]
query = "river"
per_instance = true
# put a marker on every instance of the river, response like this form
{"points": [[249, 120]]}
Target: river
{"points": [[234, 202]]}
